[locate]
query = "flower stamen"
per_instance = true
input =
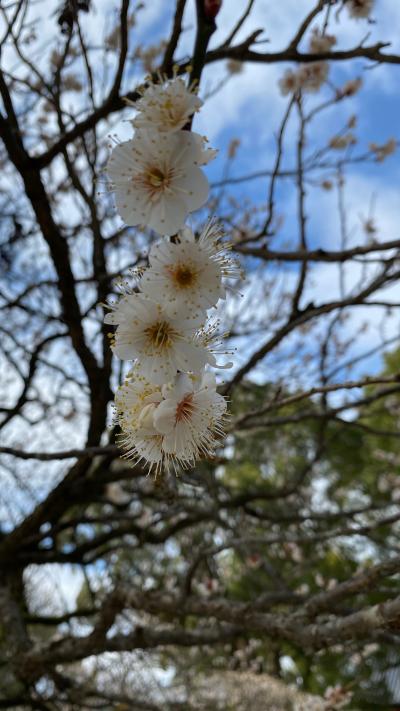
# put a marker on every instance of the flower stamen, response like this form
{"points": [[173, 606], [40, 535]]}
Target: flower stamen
{"points": [[160, 335], [183, 275], [184, 408], [156, 178]]}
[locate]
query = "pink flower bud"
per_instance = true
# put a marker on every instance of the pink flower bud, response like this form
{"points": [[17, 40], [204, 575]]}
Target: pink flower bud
{"points": [[212, 8]]}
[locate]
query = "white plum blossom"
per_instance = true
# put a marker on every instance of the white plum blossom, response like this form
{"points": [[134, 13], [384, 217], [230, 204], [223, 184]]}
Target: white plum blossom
{"points": [[321, 42], [163, 338], [166, 106], [157, 179], [190, 271], [289, 83], [190, 416], [174, 426], [359, 9], [135, 402], [313, 75], [309, 77]]}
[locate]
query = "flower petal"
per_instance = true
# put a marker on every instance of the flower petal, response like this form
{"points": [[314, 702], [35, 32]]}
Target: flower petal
{"points": [[164, 417], [194, 188], [168, 214], [191, 357], [132, 205]]}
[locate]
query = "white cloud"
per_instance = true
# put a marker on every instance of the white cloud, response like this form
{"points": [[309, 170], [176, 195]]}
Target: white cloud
{"points": [[248, 104]]}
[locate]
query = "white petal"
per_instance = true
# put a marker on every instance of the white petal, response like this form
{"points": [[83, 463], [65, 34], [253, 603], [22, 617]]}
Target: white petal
{"points": [[182, 386], [155, 397], [182, 439], [150, 449], [187, 235], [157, 369], [168, 443], [122, 161], [208, 380], [125, 351], [177, 442], [184, 320], [199, 147], [154, 289], [208, 155], [145, 419], [164, 417], [132, 205], [168, 215], [194, 186], [162, 253], [143, 308], [191, 357]]}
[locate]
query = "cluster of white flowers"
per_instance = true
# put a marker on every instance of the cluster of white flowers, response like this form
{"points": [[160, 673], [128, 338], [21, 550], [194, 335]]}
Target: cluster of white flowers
{"points": [[309, 77], [156, 176], [320, 43], [168, 408]]}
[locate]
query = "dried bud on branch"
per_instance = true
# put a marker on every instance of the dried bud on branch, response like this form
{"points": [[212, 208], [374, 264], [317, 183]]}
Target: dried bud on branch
{"points": [[212, 8]]}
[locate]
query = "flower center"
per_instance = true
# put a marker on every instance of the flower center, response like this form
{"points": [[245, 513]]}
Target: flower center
{"points": [[184, 276], [160, 334], [168, 105], [184, 408], [156, 178]]}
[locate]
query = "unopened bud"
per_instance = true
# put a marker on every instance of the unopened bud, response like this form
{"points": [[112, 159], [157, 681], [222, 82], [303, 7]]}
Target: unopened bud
{"points": [[212, 8]]}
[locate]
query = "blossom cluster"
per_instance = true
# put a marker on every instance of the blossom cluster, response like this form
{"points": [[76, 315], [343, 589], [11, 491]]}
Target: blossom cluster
{"points": [[156, 175], [309, 77], [168, 408], [382, 151]]}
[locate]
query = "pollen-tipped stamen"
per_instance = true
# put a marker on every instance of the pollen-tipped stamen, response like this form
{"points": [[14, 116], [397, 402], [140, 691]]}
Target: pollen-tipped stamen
{"points": [[160, 335]]}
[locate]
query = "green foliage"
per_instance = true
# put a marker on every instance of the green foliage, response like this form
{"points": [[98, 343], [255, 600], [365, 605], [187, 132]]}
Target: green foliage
{"points": [[351, 473]]}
